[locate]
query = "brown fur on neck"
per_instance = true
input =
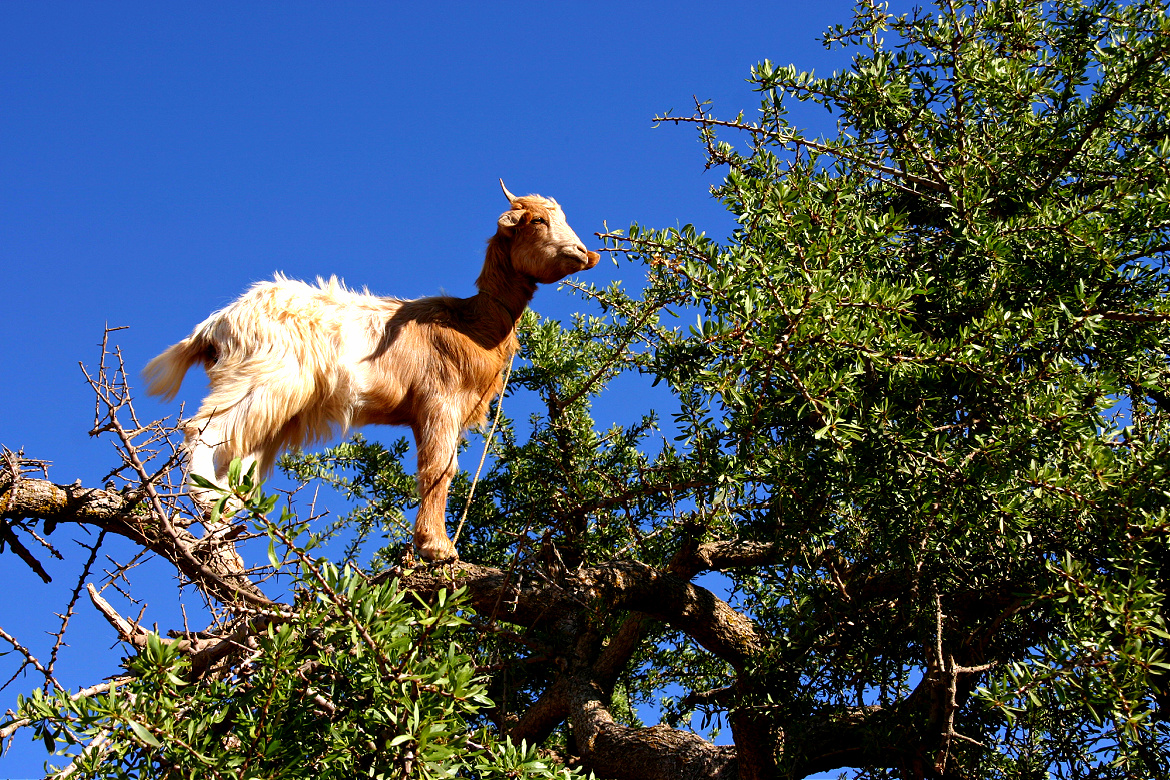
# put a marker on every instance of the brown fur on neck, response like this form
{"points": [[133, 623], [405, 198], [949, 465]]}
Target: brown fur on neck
{"points": [[501, 282]]}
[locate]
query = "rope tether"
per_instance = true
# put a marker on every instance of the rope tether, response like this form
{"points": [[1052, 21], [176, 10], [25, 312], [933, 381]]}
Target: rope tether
{"points": [[486, 445]]}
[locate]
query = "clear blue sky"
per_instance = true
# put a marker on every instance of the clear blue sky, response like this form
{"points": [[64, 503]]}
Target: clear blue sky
{"points": [[157, 158]]}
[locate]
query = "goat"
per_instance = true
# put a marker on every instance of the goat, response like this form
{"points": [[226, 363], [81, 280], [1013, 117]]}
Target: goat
{"points": [[290, 364]]}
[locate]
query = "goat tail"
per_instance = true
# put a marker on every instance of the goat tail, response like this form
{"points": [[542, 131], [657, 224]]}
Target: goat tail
{"points": [[164, 375]]}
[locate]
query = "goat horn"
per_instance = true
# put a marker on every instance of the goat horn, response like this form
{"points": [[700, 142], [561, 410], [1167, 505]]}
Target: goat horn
{"points": [[510, 196]]}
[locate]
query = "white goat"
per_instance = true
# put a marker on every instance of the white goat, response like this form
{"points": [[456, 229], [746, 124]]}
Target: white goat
{"points": [[290, 364]]}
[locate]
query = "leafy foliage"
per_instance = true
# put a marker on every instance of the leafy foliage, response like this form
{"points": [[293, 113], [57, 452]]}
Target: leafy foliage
{"points": [[929, 368], [359, 679], [915, 447]]}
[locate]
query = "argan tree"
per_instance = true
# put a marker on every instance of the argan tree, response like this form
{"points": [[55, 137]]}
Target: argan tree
{"points": [[901, 509]]}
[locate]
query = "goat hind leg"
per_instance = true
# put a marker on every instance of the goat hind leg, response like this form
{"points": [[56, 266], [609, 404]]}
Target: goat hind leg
{"points": [[208, 459], [202, 443]]}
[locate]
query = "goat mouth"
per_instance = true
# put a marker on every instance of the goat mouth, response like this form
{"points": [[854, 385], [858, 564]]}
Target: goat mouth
{"points": [[575, 259]]}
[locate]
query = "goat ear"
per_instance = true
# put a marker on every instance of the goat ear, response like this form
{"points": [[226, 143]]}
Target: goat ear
{"points": [[509, 220]]}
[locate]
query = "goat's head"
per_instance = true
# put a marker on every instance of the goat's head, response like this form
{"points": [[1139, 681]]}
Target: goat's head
{"points": [[544, 247]]}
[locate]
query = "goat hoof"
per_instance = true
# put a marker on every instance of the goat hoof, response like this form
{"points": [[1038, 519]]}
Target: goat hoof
{"points": [[438, 553], [440, 562], [440, 558]]}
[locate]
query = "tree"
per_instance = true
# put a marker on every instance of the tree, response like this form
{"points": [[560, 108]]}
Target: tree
{"points": [[909, 514]]}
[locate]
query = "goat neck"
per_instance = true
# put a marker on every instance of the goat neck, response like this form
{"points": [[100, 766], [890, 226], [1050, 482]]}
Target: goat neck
{"points": [[502, 289]]}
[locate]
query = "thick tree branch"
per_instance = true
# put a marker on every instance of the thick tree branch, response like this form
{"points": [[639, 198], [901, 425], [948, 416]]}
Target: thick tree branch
{"points": [[128, 631], [696, 611], [631, 585], [213, 569], [553, 705], [616, 751], [549, 711], [738, 553]]}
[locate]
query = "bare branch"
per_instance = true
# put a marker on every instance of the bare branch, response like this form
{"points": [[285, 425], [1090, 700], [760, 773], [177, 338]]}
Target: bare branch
{"points": [[123, 514], [795, 140], [85, 570], [128, 631], [30, 659]]}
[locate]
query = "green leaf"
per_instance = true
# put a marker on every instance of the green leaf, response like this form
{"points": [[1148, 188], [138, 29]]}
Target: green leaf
{"points": [[141, 732]]}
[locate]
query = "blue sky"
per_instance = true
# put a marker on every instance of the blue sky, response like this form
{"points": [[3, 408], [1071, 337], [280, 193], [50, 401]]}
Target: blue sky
{"points": [[157, 159]]}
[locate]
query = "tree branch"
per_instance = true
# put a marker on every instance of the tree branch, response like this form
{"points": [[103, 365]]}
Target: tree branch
{"points": [[631, 585], [656, 753], [123, 514]]}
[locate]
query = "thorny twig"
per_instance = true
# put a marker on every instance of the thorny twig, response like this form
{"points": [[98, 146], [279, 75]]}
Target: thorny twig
{"points": [[113, 392], [151, 456], [85, 570], [29, 660]]}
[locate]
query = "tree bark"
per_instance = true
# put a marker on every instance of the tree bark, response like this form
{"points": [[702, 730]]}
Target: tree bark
{"points": [[655, 753], [211, 564], [569, 606]]}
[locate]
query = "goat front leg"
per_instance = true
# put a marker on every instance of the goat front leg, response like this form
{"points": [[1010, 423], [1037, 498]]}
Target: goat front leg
{"points": [[436, 437]]}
